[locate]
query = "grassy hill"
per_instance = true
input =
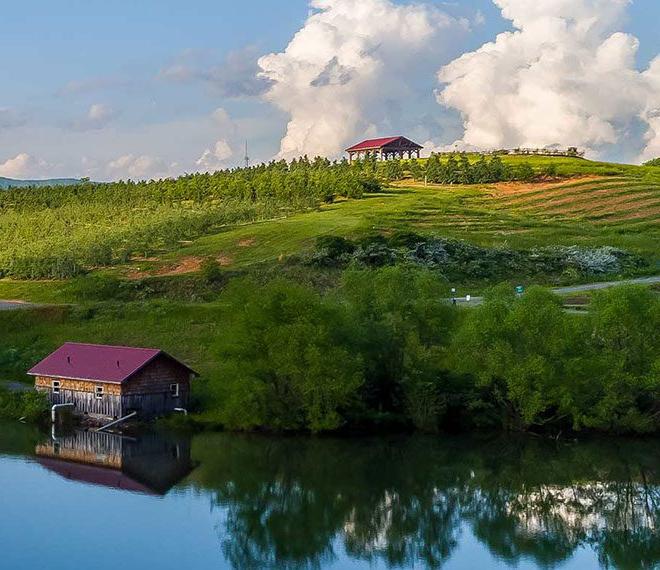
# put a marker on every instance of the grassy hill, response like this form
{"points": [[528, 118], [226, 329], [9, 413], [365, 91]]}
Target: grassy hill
{"points": [[589, 204]]}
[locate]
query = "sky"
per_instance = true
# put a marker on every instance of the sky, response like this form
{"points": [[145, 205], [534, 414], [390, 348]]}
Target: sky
{"points": [[155, 88]]}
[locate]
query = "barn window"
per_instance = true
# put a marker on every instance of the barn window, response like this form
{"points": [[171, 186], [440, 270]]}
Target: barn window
{"points": [[174, 390], [56, 385], [99, 392]]}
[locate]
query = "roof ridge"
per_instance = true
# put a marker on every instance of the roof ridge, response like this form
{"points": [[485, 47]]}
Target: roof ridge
{"points": [[110, 346]]}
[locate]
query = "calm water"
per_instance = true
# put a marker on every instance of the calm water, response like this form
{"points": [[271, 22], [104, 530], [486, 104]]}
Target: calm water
{"points": [[225, 501]]}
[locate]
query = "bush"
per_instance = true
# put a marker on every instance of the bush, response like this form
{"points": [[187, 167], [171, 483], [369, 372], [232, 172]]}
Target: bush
{"points": [[29, 405], [211, 270], [332, 251], [458, 259], [654, 162]]}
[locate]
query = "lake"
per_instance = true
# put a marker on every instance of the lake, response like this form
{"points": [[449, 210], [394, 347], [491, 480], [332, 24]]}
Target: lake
{"points": [[215, 501]]}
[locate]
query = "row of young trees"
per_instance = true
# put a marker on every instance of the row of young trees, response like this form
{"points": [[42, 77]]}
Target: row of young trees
{"points": [[387, 348], [61, 231], [456, 169]]}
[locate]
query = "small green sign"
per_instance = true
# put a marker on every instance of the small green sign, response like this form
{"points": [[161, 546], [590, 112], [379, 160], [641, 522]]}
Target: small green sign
{"points": [[520, 289]]}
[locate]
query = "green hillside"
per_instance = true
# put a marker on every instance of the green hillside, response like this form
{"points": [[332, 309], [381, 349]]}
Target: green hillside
{"points": [[264, 219]]}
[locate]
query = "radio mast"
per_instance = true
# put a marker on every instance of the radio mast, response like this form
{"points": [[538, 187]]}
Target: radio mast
{"points": [[247, 157]]}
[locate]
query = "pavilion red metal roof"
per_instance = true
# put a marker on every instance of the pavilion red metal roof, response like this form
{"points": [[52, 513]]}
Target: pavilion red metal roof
{"points": [[371, 144], [97, 362]]}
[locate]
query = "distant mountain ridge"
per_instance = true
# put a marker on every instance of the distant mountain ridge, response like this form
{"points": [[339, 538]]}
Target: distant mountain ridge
{"points": [[11, 183]]}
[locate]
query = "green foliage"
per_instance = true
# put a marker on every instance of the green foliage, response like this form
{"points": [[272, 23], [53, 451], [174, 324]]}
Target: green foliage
{"points": [[458, 260], [286, 360], [211, 270], [625, 343], [458, 169], [391, 170], [64, 231], [544, 367], [521, 351], [654, 162], [416, 169], [30, 405]]}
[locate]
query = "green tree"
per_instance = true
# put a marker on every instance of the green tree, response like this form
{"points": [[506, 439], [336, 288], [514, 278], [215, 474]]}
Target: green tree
{"points": [[404, 325], [416, 170], [285, 360], [520, 350], [434, 169]]}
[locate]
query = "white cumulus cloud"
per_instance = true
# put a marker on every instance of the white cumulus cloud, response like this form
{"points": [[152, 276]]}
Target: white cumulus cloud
{"points": [[23, 165], [139, 167], [566, 75], [351, 70], [215, 158]]}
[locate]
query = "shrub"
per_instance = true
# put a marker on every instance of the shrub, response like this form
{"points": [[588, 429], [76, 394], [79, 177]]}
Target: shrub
{"points": [[30, 405], [211, 270]]}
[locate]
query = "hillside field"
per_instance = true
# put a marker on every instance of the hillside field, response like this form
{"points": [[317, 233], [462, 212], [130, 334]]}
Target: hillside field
{"points": [[587, 204]]}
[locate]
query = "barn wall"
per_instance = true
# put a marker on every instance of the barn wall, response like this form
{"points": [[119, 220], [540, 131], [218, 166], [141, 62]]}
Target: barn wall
{"points": [[82, 394], [156, 377], [148, 392], [77, 385]]}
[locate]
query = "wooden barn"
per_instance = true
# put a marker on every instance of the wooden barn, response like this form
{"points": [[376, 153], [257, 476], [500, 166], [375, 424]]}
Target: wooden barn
{"points": [[385, 148], [114, 381]]}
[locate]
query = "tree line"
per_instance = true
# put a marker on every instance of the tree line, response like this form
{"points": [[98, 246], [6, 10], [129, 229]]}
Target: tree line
{"points": [[455, 169], [387, 349]]}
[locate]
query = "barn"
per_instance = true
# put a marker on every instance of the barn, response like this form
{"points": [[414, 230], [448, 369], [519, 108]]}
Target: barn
{"points": [[114, 381], [385, 148]]}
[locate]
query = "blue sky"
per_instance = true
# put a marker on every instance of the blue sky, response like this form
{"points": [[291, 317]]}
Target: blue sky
{"points": [[90, 87]]}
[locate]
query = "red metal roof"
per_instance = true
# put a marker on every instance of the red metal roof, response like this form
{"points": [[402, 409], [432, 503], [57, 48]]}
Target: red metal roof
{"points": [[96, 362], [379, 143]]}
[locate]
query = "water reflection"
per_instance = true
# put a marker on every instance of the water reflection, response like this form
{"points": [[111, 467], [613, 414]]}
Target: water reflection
{"points": [[388, 502], [150, 463], [408, 501]]}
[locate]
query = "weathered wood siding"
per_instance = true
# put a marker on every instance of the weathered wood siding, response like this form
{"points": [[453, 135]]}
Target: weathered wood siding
{"points": [[148, 392], [82, 394]]}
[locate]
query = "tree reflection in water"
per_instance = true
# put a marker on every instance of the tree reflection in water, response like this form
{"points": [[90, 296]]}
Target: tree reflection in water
{"points": [[295, 502]]}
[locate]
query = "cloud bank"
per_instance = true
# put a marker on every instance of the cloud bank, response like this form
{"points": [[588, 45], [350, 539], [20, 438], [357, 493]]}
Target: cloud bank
{"points": [[22, 165], [566, 76], [351, 70]]}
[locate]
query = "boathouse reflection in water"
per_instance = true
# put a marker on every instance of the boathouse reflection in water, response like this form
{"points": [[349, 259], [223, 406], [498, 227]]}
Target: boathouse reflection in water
{"points": [[151, 463]]}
